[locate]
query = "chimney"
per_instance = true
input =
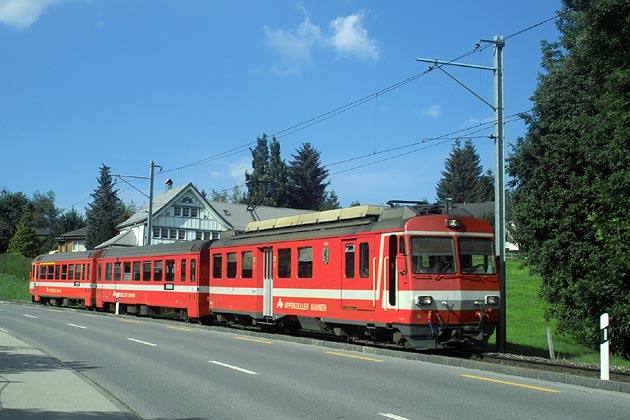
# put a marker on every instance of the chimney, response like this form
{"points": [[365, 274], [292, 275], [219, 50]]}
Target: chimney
{"points": [[169, 184]]}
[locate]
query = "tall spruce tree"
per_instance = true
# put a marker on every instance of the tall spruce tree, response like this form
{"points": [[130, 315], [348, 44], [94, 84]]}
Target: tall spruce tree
{"points": [[463, 179], [24, 241], [258, 181], [307, 180], [104, 212], [278, 176], [571, 173]]}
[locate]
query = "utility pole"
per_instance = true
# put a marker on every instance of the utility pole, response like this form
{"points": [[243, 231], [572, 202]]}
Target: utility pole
{"points": [[499, 162], [147, 234]]}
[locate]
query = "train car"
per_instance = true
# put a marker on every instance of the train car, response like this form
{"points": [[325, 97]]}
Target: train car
{"points": [[156, 280], [64, 279], [400, 275]]}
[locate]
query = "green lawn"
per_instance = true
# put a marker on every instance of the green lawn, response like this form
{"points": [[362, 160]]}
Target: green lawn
{"points": [[526, 325], [13, 288]]}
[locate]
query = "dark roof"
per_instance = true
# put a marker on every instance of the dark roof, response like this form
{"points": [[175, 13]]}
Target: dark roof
{"points": [[80, 233]]}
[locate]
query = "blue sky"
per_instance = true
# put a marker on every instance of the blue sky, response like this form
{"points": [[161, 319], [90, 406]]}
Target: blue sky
{"points": [[119, 82]]}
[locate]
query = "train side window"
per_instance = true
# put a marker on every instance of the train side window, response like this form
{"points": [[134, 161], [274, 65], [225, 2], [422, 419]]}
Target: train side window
{"points": [[108, 271], [127, 270], [51, 272], [246, 264], [401, 245], [182, 271], [157, 271], [64, 272], [57, 270], [77, 272], [349, 261], [230, 266], [305, 262], [99, 275], [88, 271], [42, 272], [146, 270], [71, 272], [217, 266], [116, 271], [193, 270], [170, 270], [136, 271], [284, 263], [364, 260]]}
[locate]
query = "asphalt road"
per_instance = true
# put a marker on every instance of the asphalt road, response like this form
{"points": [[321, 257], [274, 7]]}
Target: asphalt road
{"points": [[165, 370]]}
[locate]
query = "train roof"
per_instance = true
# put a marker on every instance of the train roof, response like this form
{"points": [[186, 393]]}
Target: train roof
{"points": [[66, 256], [159, 249], [345, 221]]}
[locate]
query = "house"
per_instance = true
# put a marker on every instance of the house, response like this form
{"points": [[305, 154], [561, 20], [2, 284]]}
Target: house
{"points": [[183, 214], [73, 241]]}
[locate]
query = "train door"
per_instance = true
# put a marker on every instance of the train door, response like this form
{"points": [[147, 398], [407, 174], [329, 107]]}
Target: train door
{"points": [[390, 289], [267, 281], [358, 276]]}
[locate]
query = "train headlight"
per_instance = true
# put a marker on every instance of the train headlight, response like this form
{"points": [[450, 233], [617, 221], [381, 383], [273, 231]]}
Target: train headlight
{"points": [[424, 300], [493, 300], [453, 223]]}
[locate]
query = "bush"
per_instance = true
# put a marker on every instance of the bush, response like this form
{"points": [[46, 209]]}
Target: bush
{"points": [[16, 265]]}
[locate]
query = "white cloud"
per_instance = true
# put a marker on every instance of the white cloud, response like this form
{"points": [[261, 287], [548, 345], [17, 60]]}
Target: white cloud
{"points": [[295, 46], [22, 14], [474, 121], [432, 111], [351, 38]]}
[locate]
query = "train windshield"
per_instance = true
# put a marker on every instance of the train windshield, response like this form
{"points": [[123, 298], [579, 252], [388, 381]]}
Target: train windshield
{"points": [[476, 256], [432, 255]]}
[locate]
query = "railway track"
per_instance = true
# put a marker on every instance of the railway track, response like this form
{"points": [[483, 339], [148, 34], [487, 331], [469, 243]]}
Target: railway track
{"points": [[617, 374]]}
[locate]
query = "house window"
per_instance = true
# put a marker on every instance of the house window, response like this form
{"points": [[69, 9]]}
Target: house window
{"points": [[181, 234], [187, 200], [194, 212], [164, 233], [173, 234], [156, 232], [186, 211], [198, 235], [216, 235], [177, 211]]}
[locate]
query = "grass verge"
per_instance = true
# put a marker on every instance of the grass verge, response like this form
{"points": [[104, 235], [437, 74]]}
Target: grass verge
{"points": [[13, 288]]}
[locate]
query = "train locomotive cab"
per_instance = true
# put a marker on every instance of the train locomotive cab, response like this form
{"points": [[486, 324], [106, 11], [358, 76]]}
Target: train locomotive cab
{"points": [[448, 276]]}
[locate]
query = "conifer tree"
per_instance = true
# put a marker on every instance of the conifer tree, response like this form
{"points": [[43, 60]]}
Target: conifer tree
{"points": [[463, 179], [307, 180], [24, 241], [104, 212]]}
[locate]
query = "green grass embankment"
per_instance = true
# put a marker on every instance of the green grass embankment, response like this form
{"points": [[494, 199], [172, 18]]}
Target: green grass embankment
{"points": [[526, 325], [14, 274]]}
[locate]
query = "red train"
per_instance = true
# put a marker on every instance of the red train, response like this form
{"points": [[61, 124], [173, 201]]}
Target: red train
{"points": [[402, 275]]}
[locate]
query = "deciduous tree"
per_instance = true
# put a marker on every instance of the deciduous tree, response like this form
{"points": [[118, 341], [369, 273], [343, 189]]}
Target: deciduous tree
{"points": [[571, 173]]}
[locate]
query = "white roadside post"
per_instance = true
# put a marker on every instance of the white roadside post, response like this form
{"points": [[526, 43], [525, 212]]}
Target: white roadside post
{"points": [[117, 305], [604, 347]]}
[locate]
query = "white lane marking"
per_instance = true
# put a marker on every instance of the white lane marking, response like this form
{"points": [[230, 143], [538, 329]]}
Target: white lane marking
{"points": [[3, 330], [29, 316], [77, 326], [392, 416], [250, 372], [142, 342]]}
